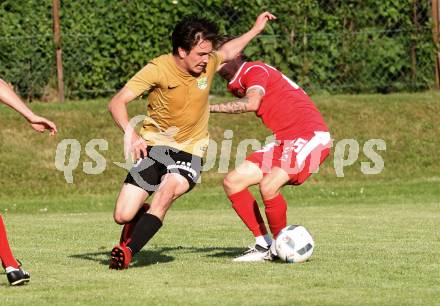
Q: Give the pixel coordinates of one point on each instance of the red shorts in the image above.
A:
(299, 157)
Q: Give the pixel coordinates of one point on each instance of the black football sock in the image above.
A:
(127, 231)
(138, 215)
(145, 229)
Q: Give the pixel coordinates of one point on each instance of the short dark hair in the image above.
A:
(190, 30)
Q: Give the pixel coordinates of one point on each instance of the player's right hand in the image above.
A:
(138, 147)
(40, 124)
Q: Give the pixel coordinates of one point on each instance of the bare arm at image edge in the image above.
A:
(10, 98)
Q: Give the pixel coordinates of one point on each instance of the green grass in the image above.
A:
(377, 237)
(366, 254)
(213, 198)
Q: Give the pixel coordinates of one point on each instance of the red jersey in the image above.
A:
(285, 108)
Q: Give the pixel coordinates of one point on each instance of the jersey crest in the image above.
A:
(202, 82)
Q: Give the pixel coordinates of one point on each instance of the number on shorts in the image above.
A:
(267, 147)
(298, 145)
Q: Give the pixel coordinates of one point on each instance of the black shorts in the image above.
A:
(147, 172)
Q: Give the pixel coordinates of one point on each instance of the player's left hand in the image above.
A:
(261, 21)
(41, 124)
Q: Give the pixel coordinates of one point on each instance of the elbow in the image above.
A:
(112, 105)
(252, 108)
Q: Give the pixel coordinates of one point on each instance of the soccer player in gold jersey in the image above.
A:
(170, 145)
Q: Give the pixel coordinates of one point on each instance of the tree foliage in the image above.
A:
(325, 45)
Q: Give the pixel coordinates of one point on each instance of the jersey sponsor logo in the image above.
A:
(202, 82)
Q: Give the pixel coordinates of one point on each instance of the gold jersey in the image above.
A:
(178, 108)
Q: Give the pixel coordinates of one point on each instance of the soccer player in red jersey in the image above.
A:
(14, 273)
(302, 142)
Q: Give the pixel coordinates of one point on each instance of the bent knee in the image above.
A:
(269, 191)
(232, 183)
(229, 181)
(121, 218)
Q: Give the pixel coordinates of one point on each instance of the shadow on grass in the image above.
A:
(143, 258)
(151, 257)
(216, 252)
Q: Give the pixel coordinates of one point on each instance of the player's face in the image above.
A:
(197, 59)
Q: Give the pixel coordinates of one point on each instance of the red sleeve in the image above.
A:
(255, 76)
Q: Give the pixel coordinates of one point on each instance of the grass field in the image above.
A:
(366, 254)
(377, 237)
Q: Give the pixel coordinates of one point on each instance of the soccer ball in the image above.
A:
(294, 244)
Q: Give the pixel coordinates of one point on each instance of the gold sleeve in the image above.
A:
(144, 79)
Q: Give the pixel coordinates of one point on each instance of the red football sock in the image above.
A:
(276, 209)
(247, 209)
(6, 256)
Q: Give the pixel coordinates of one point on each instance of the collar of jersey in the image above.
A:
(237, 73)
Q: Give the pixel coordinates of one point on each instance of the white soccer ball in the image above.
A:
(294, 244)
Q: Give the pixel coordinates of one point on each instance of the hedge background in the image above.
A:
(324, 45)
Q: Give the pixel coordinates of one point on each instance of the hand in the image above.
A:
(261, 21)
(40, 124)
(137, 147)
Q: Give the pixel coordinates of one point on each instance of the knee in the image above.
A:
(228, 182)
(268, 191)
(231, 184)
(121, 218)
